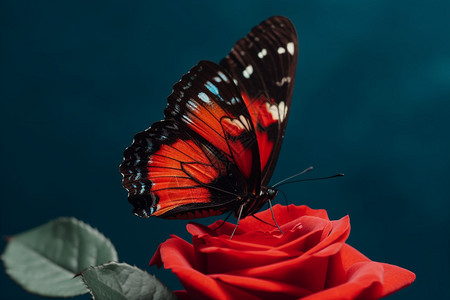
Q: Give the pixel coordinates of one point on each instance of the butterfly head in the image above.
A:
(270, 193)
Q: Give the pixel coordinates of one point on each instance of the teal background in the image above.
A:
(372, 100)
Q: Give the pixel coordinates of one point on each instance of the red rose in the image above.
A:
(310, 260)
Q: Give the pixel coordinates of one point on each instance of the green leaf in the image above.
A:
(120, 281)
(44, 260)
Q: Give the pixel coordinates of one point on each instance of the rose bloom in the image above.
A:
(309, 261)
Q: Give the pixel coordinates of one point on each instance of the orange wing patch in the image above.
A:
(179, 173)
(240, 143)
(205, 121)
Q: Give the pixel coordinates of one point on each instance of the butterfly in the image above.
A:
(224, 124)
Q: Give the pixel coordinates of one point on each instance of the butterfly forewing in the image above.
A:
(208, 102)
(263, 66)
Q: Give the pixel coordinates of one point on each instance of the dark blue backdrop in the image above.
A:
(372, 100)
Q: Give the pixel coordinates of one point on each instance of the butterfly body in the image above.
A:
(251, 204)
(217, 147)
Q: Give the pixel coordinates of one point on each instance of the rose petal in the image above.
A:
(341, 262)
(284, 213)
(226, 229)
(268, 289)
(339, 233)
(235, 243)
(305, 271)
(200, 286)
(350, 256)
(178, 255)
(363, 282)
(174, 252)
(220, 260)
(395, 278)
(329, 251)
(200, 229)
(307, 232)
(352, 273)
(296, 269)
(262, 241)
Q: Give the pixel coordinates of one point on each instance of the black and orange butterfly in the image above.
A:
(224, 124)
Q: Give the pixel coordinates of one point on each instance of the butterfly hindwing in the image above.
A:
(263, 65)
(169, 171)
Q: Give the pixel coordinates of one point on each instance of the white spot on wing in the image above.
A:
(142, 190)
(248, 71)
(279, 112)
(222, 76)
(281, 50)
(262, 53)
(192, 104)
(187, 118)
(212, 88)
(290, 48)
(283, 110)
(237, 123)
(244, 121)
(273, 110)
(204, 97)
(283, 81)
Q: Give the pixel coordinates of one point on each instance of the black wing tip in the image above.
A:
(142, 205)
(281, 21)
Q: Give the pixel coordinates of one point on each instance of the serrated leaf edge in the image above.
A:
(105, 265)
(90, 228)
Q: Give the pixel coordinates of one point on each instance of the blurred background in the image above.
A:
(372, 100)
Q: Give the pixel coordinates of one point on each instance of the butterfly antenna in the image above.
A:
(285, 199)
(273, 217)
(238, 218)
(293, 176)
(311, 179)
(223, 221)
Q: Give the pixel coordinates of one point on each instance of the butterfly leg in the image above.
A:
(273, 217)
(238, 218)
(261, 220)
(224, 221)
(285, 199)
